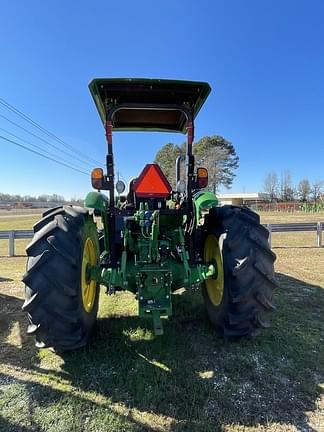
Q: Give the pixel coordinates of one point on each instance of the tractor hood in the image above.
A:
(148, 104)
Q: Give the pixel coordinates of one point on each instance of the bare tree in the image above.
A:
(287, 192)
(317, 190)
(271, 186)
(304, 190)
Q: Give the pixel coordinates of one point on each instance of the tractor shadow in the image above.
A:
(194, 379)
(13, 337)
(5, 279)
(28, 393)
(203, 382)
(40, 406)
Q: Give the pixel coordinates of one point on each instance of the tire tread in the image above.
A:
(248, 270)
(52, 299)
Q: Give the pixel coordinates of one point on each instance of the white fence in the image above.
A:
(12, 236)
(316, 227)
(297, 227)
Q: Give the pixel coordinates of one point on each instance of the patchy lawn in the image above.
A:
(187, 380)
(284, 217)
(18, 222)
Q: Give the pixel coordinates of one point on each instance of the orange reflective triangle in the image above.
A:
(152, 183)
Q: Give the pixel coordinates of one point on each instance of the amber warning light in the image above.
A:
(152, 183)
(98, 179)
(202, 178)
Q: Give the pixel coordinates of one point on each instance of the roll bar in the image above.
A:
(111, 111)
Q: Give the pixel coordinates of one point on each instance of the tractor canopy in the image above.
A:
(148, 104)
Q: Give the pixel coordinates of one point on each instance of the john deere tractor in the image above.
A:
(150, 240)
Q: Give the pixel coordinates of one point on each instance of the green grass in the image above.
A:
(18, 222)
(187, 380)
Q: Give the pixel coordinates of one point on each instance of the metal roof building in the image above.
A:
(243, 198)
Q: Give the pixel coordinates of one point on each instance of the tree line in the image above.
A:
(54, 198)
(218, 155)
(281, 188)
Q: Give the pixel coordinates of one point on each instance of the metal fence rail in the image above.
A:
(317, 227)
(12, 236)
(297, 227)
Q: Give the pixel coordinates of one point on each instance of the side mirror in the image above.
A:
(99, 180)
(202, 178)
(120, 186)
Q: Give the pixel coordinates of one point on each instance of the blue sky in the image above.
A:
(263, 59)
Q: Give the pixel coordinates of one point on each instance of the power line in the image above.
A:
(44, 140)
(45, 131)
(39, 148)
(42, 155)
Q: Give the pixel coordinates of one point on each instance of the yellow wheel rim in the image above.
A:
(215, 285)
(88, 286)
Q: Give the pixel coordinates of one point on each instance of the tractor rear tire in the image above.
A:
(61, 300)
(240, 299)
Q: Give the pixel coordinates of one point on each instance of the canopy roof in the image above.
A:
(148, 104)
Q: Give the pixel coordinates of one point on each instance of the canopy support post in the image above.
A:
(110, 162)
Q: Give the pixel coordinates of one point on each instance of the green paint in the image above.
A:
(97, 201)
(204, 200)
(100, 204)
(153, 266)
(107, 92)
(152, 248)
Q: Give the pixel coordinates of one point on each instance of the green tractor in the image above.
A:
(152, 240)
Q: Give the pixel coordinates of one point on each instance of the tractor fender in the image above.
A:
(97, 201)
(204, 200)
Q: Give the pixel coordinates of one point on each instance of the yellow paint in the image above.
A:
(88, 286)
(215, 285)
